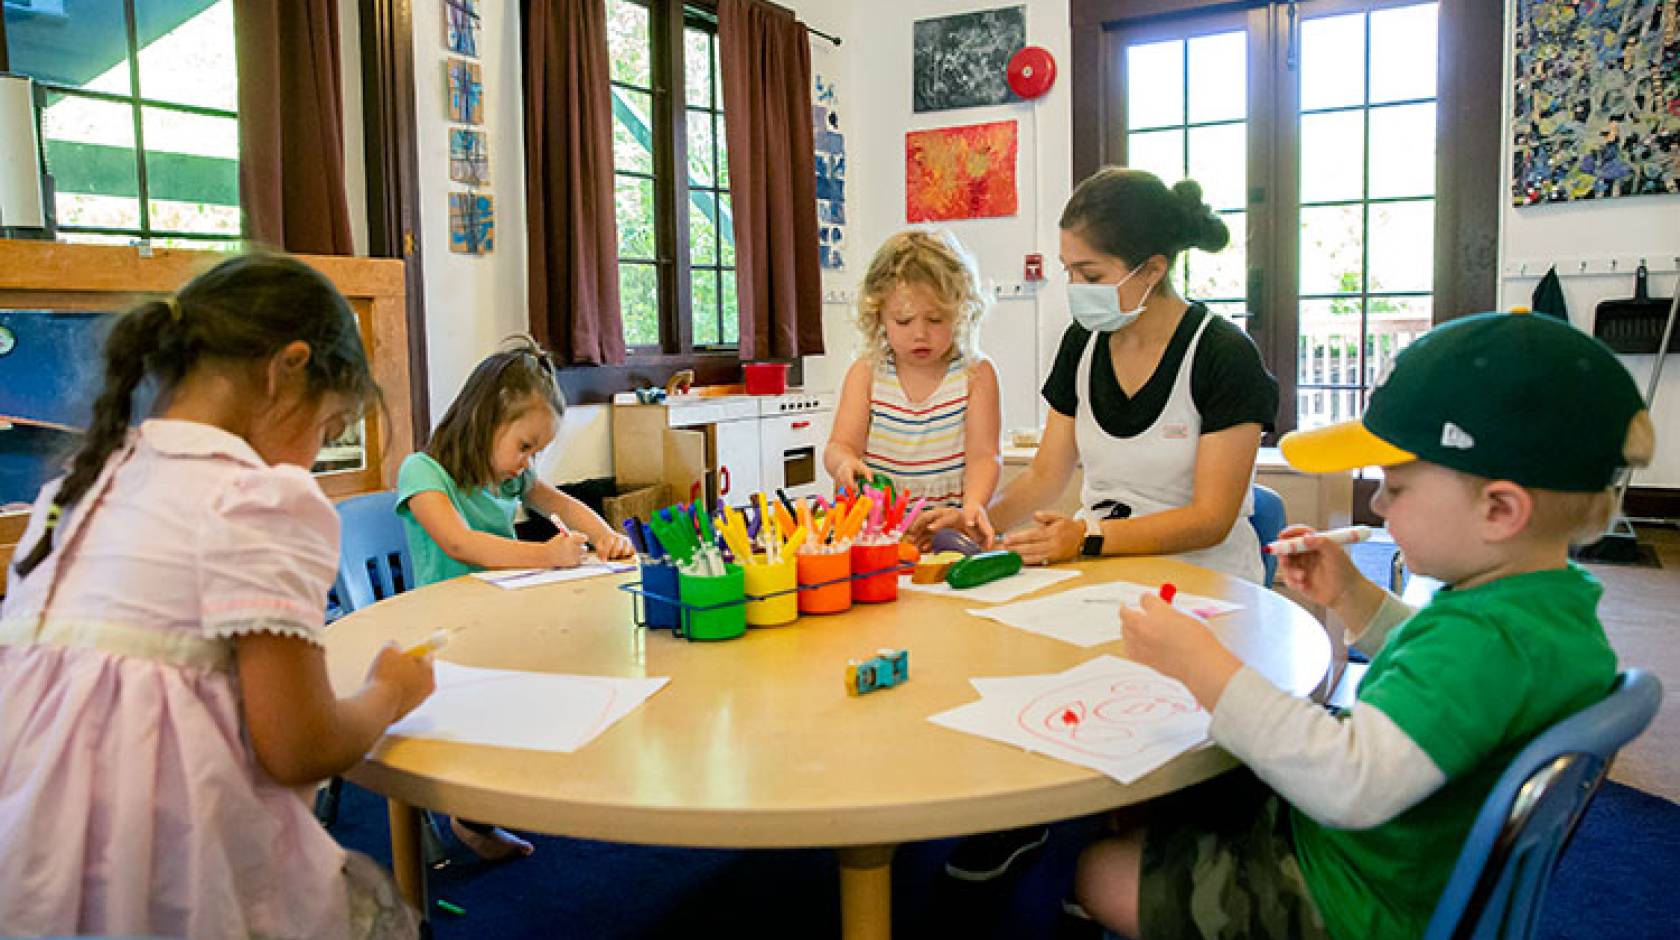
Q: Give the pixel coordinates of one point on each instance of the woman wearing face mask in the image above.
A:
(1162, 402)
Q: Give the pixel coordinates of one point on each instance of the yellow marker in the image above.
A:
(438, 640)
(795, 540)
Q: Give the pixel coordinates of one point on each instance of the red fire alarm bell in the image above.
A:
(1032, 70)
(1035, 267)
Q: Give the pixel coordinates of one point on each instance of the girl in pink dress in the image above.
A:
(164, 702)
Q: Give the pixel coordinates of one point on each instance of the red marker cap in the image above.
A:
(1167, 591)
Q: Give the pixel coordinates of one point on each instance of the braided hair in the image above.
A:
(245, 308)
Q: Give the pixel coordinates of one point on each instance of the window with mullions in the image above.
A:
(1187, 117)
(140, 125)
(680, 226)
(1367, 206)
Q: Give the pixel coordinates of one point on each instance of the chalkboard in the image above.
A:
(962, 61)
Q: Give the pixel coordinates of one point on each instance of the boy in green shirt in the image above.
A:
(1500, 435)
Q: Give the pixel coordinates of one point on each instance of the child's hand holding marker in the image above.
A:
(1316, 567)
(1177, 645)
(407, 673)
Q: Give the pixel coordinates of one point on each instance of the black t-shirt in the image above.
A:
(1228, 383)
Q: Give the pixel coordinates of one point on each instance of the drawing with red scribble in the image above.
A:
(1109, 717)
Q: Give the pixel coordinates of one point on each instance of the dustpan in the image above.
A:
(1634, 324)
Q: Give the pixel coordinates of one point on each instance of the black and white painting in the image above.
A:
(961, 61)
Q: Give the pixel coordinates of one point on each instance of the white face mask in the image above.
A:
(1096, 307)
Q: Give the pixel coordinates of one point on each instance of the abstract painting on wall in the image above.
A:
(460, 26)
(962, 61)
(960, 172)
(466, 91)
(831, 173)
(472, 223)
(469, 157)
(1596, 110)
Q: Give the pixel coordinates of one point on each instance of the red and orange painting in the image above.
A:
(960, 172)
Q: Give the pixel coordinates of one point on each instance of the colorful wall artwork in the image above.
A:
(472, 223)
(460, 26)
(960, 172)
(469, 156)
(1597, 100)
(466, 91)
(962, 61)
(831, 173)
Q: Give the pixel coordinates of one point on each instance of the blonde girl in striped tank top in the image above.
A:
(921, 403)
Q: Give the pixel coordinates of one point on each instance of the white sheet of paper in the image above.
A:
(536, 711)
(1025, 581)
(515, 578)
(1109, 714)
(1090, 615)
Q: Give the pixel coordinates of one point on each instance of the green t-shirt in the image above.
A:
(484, 509)
(1471, 678)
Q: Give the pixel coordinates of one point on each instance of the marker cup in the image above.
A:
(818, 567)
(877, 587)
(777, 579)
(724, 595)
(659, 581)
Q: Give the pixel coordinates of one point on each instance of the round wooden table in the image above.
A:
(755, 743)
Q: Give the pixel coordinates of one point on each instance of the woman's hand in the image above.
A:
(1322, 573)
(977, 524)
(1178, 645)
(1052, 538)
(566, 549)
(611, 546)
(852, 472)
(410, 677)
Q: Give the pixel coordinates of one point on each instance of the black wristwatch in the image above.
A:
(1093, 547)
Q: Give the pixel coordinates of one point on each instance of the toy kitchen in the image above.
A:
(724, 446)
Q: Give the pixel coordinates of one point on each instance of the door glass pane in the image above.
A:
(1391, 325)
(1330, 250)
(632, 130)
(726, 228)
(90, 152)
(1403, 150)
(722, 151)
(1223, 273)
(638, 300)
(1219, 161)
(1403, 53)
(700, 148)
(1333, 61)
(1327, 354)
(702, 231)
(1402, 254)
(633, 203)
(192, 171)
(186, 53)
(1155, 85)
(1333, 156)
(1159, 152)
(697, 67)
(705, 306)
(629, 46)
(729, 308)
(84, 46)
(1218, 77)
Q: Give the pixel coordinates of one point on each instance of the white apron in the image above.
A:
(1155, 470)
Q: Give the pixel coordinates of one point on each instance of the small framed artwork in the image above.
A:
(466, 91)
(469, 157)
(472, 223)
(460, 26)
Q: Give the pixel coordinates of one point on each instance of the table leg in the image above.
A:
(866, 892)
(407, 865)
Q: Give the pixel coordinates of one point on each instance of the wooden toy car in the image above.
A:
(885, 670)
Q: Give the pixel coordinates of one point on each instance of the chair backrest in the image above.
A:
(1268, 520)
(1499, 883)
(373, 561)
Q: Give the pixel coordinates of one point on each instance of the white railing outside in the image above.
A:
(1328, 354)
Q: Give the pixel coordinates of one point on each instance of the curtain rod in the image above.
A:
(820, 33)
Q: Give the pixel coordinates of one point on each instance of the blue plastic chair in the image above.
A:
(1268, 520)
(373, 561)
(1499, 883)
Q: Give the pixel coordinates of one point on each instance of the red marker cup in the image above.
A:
(1168, 589)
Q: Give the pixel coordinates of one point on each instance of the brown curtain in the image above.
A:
(291, 125)
(765, 55)
(570, 218)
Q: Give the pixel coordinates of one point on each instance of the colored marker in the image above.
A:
(1298, 544)
(449, 908)
(1168, 590)
(438, 640)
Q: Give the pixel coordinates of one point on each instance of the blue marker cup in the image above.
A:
(660, 581)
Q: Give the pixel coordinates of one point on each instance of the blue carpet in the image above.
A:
(1614, 882)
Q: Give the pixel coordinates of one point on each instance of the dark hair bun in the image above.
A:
(1202, 226)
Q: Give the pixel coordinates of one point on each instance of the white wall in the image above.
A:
(873, 68)
(1626, 228)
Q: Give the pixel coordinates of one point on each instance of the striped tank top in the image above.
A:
(920, 445)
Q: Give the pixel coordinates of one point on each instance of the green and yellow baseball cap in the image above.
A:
(1505, 396)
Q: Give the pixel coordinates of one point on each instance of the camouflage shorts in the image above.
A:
(1219, 864)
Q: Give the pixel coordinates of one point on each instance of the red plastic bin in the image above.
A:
(765, 378)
